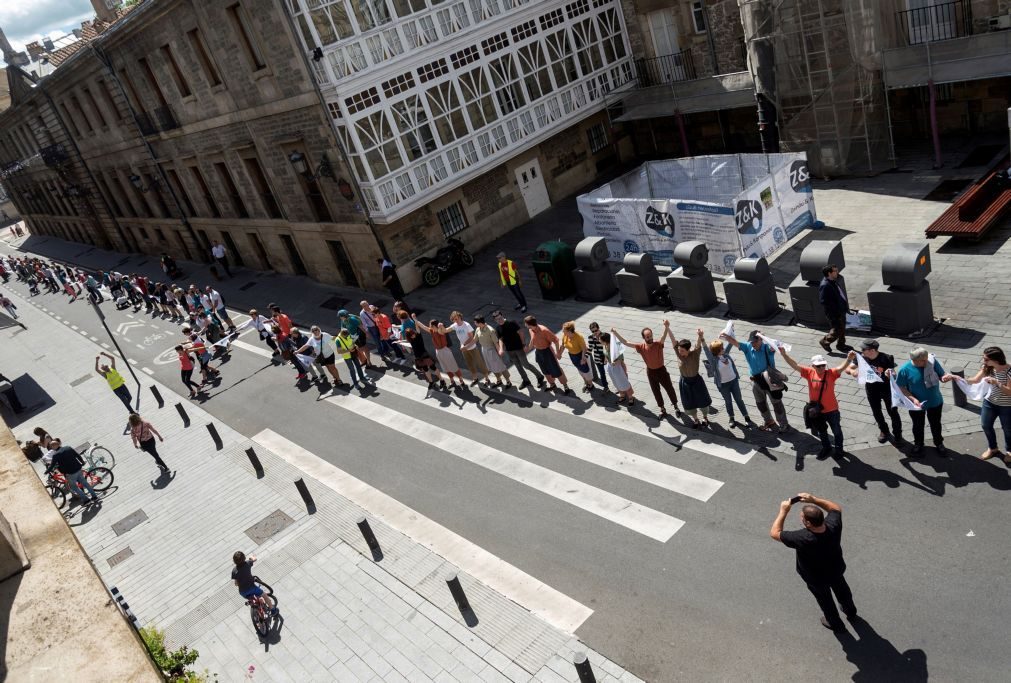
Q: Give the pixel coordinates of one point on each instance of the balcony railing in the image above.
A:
(665, 69)
(53, 155)
(942, 21)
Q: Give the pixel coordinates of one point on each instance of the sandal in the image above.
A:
(767, 427)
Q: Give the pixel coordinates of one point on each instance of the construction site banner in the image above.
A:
(758, 220)
(796, 198)
(656, 226)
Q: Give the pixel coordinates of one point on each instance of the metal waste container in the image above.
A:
(553, 264)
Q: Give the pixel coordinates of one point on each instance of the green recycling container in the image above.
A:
(553, 264)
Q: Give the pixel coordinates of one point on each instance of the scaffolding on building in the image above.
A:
(819, 64)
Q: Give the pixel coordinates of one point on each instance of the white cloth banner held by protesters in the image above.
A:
(865, 373)
(775, 343)
(617, 348)
(729, 330)
(974, 392)
(900, 400)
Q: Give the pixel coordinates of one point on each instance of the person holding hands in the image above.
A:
(822, 410)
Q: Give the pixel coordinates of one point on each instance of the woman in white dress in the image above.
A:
(487, 341)
(616, 370)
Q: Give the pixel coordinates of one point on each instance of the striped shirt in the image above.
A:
(996, 396)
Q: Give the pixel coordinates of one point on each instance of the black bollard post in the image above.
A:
(255, 462)
(453, 581)
(218, 444)
(957, 395)
(183, 415)
(582, 665)
(370, 538)
(303, 491)
(157, 396)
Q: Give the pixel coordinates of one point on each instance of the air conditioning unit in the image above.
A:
(1000, 22)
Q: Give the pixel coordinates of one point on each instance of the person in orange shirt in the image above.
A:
(546, 350)
(385, 326)
(821, 389)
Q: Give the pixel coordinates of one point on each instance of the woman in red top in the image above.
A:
(186, 370)
(143, 433)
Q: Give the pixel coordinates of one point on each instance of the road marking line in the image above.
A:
(67, 323)
(140, 346)
(148, 371)
(58, 317)
(659, 474)
(82, 333)
(105, 346)
(94, 339)
(74, 327)
(555, 607)
(646, 521)
(260, 351)
(131, 361)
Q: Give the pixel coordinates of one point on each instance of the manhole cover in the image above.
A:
(268, 526)
(129, 522)
(80, 380)
(335, 303)
(120, 556)
(248, 285)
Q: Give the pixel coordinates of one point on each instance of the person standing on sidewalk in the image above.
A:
(595, 346)
(221, 256)
(575, 345)
(369, 323)
(143, 433)
(487, 342)
(723, 370)
(822, 410)
(70, 464)
(997, 373)
(879, 393)
(390, 279)
(110, 374)
(656, 370)
(546, 353)
(9, 306)
(767, 382)
(615, 367)
(511, 345)
(468, 347)
(510, 277)
(919, 379)
(833, 300)
(819, 555)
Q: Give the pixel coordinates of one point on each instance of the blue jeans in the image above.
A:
(732, 390)
(987, 416)
(832, 421)
(355, 370)
(78, 478)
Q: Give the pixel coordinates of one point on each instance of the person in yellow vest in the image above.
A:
(510, 277)
(116, 382)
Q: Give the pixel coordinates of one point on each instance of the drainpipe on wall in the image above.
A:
(934, 134)
(107, 63)
(333, 130)
(709, 36)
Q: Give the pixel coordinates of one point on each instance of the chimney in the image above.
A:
(103, 11)
(34, 50)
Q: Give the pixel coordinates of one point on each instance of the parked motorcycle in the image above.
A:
(448, 259)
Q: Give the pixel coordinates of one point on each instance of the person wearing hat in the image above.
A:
(510, 277)
(879, 393)
(767, 382)
(821, 381)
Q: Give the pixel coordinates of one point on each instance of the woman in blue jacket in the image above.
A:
(720, 366)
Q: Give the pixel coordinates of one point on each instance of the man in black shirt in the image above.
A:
(511, 344)
(880, 392)
(390, 278)
(819, 555)
(69, 463)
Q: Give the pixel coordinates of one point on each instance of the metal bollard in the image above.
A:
(157, 396)
(957, 395)
(453, 581)
(582, 665)
(127, 612)
(218, 444)
(303, 491)
(255, 462)
(370, 538)
(183, 415)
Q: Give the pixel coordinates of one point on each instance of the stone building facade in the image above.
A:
(183, 123)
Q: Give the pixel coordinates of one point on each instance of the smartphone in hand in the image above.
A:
(794, 500)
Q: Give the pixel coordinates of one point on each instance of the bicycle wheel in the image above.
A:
(100, 478)
(100, 456)
(261, 620)
(58, 495)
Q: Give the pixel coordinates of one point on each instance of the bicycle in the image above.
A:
(97, 456)
(100, 479)
(262, 608)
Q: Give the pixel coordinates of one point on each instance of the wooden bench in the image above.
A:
(977, 210)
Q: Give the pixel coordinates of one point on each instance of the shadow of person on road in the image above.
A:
(163, 480)
(877, 659)
(860, 473)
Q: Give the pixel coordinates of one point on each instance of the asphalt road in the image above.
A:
(717, 600)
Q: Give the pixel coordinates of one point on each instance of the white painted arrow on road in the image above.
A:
(123, 328)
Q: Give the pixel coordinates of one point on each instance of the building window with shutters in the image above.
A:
(597, 137)
(452, 219)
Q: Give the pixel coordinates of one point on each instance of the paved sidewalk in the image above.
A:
(166, 542)
(868, 215)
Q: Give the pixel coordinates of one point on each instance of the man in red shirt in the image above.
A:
(821, 388)
(656, 370)
(282, 319)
